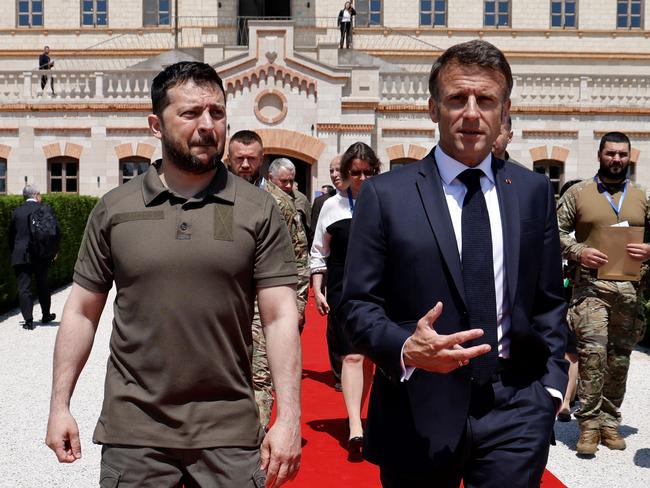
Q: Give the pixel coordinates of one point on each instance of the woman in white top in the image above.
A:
(345, 24)
(328, 254)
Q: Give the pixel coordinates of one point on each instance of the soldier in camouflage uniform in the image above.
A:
(281, 177)
(606, 315)
(245, 153)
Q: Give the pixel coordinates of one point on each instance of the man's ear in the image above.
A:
(505, 111)
(433, 110)
(155, 125)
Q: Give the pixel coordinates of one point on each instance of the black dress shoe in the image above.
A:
(28, 325)
(48, 318)
(355, 447)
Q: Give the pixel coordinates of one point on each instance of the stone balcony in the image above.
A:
(395, 88)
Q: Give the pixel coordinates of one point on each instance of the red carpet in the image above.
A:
(325, 431)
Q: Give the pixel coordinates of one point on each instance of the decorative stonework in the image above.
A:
(550, 133)
(359, 105)
(347, 128)
(62, 131)
(145, 150)
(73, 150)
(402, 108)
(408, 131)
(395, 152)
(538, 153)
(417, 152)
(128, 131)
(52, 150)
(9, 131)
(270, 106)
(76, 107)
(4, 151)
(559, 154)
(124, 150)
(267, 71)
(292, 144)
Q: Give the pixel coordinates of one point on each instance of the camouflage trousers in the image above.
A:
(608, 320)
(302, 290)
(262, 383)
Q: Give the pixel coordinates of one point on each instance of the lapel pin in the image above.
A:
(508, 181)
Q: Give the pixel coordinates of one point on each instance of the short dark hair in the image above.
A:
(509, 123)
(245, 137)
(358, 150)
(476, 52)
(614, 137)
(178, 74)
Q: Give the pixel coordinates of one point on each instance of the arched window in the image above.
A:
(132, 166)
(63, 175)
(554, 170)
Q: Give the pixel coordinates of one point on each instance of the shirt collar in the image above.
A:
(32, 200)
(222, 186)
(449, 168)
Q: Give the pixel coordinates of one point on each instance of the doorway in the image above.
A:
(258, 9)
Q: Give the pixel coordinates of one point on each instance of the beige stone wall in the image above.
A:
(530, 14)
(467, 14)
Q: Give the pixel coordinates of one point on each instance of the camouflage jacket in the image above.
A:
(294, 224)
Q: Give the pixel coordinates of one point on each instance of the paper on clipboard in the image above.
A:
(613, 241)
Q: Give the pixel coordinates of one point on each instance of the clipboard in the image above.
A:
(613, 241)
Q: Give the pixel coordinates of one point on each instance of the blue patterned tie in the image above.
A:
(478, 273)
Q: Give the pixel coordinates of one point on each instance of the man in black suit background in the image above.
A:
(25, 265)
(454, 289)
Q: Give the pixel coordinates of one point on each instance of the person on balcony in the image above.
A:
(345, 24)
(44, 62)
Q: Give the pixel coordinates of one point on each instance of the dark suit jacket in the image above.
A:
(19, 233)
(402, 259)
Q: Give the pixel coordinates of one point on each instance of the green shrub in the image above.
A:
(71, 213)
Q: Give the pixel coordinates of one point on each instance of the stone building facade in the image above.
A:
(580, 68)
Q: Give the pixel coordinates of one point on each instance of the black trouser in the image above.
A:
(346, 34)
(44, 82)
(506, 440)
(332, 349)
(24, 282)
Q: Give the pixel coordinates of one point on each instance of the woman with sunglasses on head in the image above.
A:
(328, 255)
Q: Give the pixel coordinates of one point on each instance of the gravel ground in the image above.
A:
(25, 461)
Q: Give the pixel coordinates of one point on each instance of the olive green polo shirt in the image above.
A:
(186, 273)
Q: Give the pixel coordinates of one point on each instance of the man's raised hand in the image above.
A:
(430, 351)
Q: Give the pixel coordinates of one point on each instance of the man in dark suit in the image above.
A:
(454, 289)
(25, 264)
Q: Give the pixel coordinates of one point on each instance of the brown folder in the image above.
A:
(613, 241)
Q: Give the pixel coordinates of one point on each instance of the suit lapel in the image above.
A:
(509, 209)
(429, 185)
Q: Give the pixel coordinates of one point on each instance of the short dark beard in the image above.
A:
(187, 162)
(604, 172)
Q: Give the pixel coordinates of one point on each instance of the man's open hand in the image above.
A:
(428, 350)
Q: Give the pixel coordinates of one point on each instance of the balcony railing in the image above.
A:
(394, 87)
(98, 86)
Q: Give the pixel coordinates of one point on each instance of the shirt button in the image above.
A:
(183, 226)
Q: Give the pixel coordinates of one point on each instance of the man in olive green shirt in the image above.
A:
(188, 246)
(605, 314)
